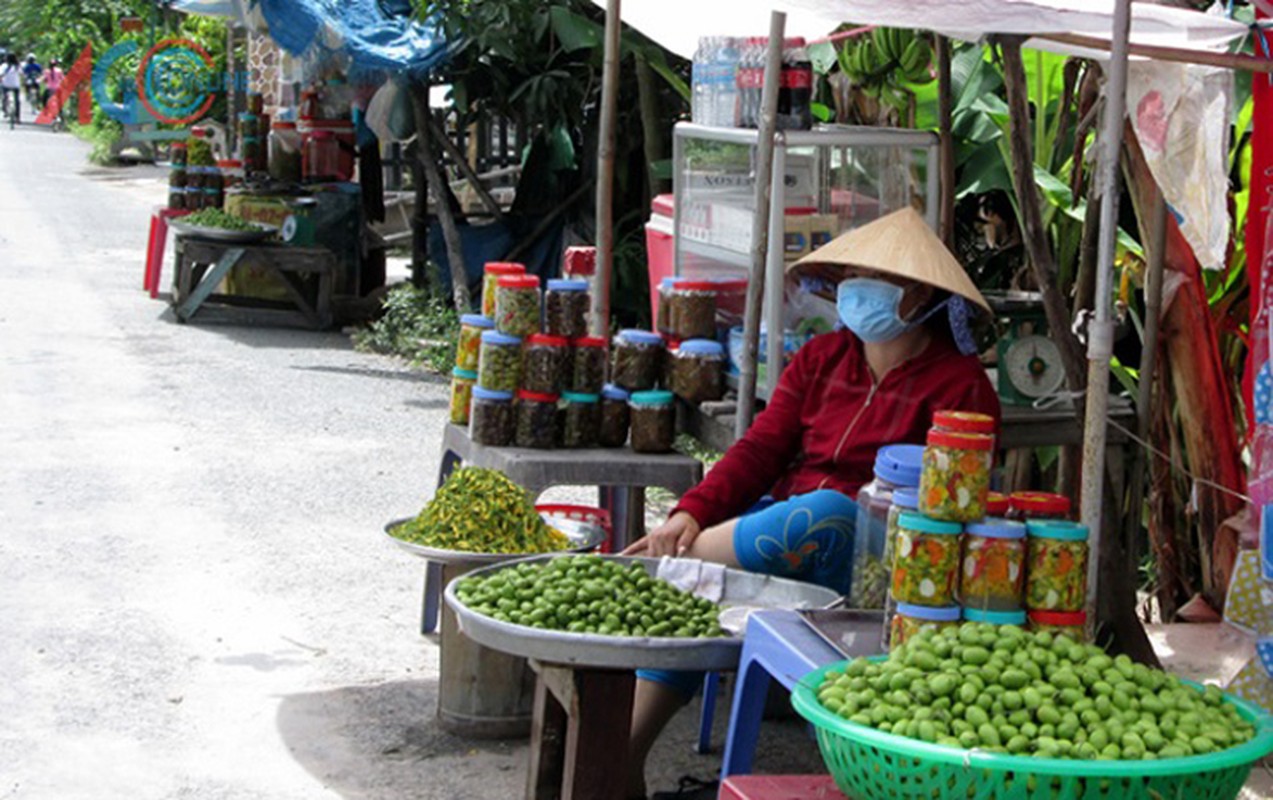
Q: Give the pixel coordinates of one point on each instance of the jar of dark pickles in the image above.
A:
(491, 417)
(582, 427)
(614, 416)
(536, 420)
(698, 370)
(588, 371)
(517, 305)
(499, 363)
(693, 314)
(653, 421)
(566, 304)
(635, 362)
(546, 367)
(663, 320)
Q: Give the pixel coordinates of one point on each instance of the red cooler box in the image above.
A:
(659, 247)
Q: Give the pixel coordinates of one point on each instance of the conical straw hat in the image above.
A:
(902, 244)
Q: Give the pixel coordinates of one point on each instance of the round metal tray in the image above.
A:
(262, 232)
(635, 652)
(583, 536)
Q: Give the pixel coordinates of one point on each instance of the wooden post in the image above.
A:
(466, 169)
(441, 193)
(605, 171)
(1036, 235)
(945, 104)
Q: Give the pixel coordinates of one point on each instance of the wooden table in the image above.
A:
(306, 274)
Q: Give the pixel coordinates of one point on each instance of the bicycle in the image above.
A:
(12, 106)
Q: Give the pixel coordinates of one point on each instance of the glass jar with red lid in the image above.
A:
(546, 364)
(996, 504)
(963, 422)
(517, 305)
(693, 309)
(1059, 623)
(588, 372)
(955, 478)
(536, 420)
(491, 274)
(1038, 505)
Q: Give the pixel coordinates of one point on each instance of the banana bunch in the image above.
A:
(888, 51)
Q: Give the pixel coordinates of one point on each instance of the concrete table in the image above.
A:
(619, 474)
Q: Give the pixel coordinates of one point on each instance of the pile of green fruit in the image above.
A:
(884, 52)
(590, 594)
(482, 511)
(216, 218)
(1004, 690)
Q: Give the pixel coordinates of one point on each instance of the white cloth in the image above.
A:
(11, 78)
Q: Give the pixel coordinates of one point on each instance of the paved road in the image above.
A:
(195, 601)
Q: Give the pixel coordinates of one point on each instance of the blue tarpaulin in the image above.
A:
(375, 34)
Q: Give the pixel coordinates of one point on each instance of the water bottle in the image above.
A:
(700, 73)
(725, 102)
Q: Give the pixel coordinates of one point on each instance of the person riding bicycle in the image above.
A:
(31, 72)
(53, 77)
(11, 85)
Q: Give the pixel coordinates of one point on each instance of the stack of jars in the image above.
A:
(954, 560)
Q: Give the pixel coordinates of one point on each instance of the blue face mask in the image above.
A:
(868, 307)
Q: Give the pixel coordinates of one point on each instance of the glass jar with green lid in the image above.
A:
(926, 565)
(1056, 567)
(653, 421)
(582, 427)
(1014, 617)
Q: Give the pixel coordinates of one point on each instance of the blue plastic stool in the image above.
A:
(777, 645)
(711, 685)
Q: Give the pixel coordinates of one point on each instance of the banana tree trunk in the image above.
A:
(1200, 388)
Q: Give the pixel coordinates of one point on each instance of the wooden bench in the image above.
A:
(306, 274)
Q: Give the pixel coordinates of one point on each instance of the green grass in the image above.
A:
(416, 325)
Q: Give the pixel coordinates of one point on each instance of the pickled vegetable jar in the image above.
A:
(472, 326)
(911, 619)
(588, 371)
(926, 566)
(546, 364)
(663, 319)
(517, 305)
(1026, 506)
(614, 416)
(996, 505)
(536, 420)
(653, 422)
(693, 314)
(635, 362)
(905, 499)
(499, 364)
(1068, 623)
(993, 575)
(566, 305)
(1056, 569)
(462, 381)
(667, 359)
(896, 466)
(1013, 617)
(491, 274)
(963, 422)
(698, 370)
(582, 427)
(491, 417)
(956, 476)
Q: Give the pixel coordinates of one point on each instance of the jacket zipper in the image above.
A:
(870, 396)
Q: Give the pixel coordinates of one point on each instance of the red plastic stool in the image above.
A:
(155, 246)
(780, 787)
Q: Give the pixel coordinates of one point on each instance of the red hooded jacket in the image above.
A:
(828, 417)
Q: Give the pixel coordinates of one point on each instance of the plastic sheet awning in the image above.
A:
(677, 25)
(374, 34)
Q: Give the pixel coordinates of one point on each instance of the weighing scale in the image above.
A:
(1029, 362)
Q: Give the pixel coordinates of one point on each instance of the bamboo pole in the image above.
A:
(760, 228)
(1100, 331)
(605, 171)
(1159, 53)
(945, 105)
(441, 194)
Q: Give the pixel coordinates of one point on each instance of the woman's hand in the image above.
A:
(672, 538)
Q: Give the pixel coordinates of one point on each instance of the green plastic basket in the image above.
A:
(870, 764)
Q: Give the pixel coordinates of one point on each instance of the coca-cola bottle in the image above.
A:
(795, 93)
(751, 81)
